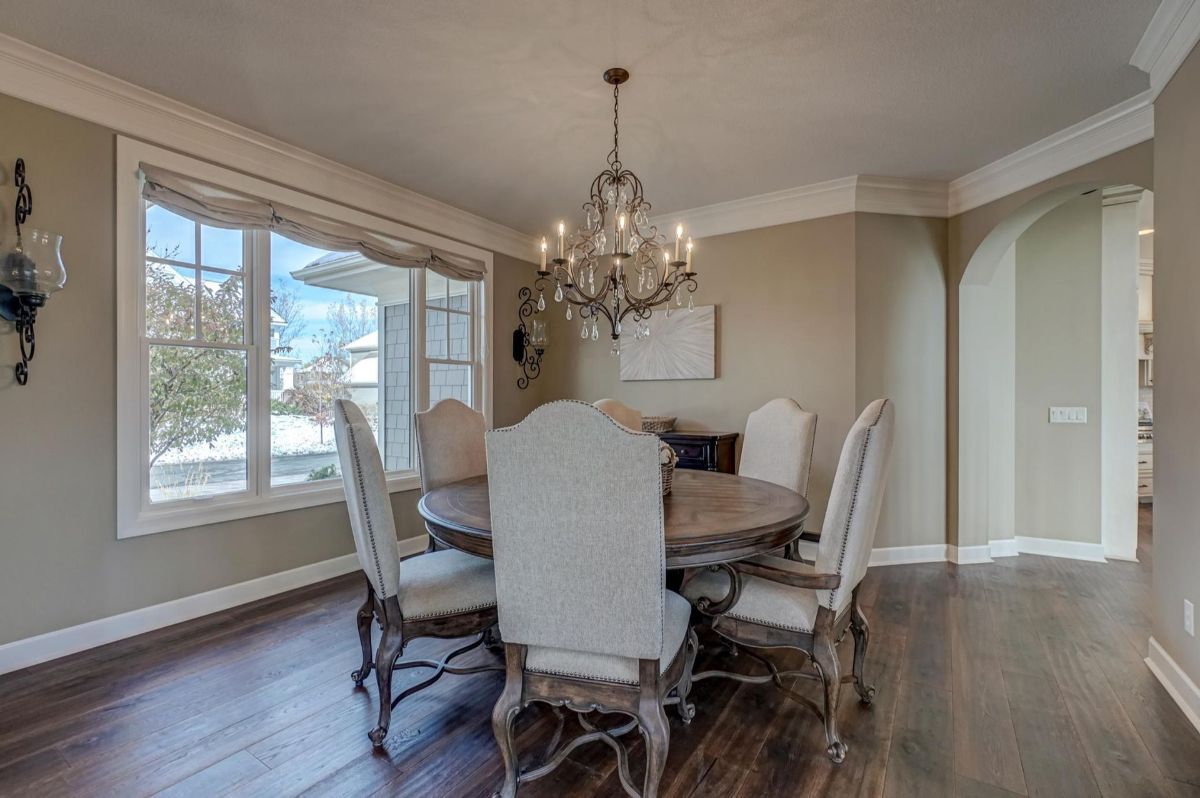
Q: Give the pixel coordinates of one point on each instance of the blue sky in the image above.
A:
(169, 233)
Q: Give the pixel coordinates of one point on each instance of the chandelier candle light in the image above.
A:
(616, 247)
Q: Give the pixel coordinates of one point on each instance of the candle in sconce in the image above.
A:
(543, 267)
(666, 265)
(689, 255)
(678, 236)
(571, 268)
(562, 229)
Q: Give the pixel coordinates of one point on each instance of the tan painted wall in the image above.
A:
(900, 323)
(1058, 363)
(1176, 353)
(965, 233)
(797, 318)
(60, 561)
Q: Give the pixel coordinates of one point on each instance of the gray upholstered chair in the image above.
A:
(449, 447)
(622, 413)
(773, 602)
(585, 615)
(778, 448)
(440, 594)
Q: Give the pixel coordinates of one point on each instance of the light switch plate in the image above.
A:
(1068, 415)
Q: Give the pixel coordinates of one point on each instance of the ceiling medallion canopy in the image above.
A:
(617, 265)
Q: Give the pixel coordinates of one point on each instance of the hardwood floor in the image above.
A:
(1022, 677)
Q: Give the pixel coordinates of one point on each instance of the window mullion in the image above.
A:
(257, 258)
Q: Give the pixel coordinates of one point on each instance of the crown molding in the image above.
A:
(1172, 33)
(854, 194)
(41, 77)
(1123, 125)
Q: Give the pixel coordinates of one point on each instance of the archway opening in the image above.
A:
(1049, 336)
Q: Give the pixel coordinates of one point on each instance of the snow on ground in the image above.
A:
(290, 435)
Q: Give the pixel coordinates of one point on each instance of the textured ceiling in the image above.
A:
(498, 107)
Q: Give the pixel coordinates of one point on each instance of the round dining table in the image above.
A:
(710, 517)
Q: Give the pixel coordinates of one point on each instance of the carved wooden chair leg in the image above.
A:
(687, 711)
(862, 638)
(652, 719)
(825, 659)
(508, 706)
(366, 615)
(391, 645)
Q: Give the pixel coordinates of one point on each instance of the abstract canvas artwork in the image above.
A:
(681, 347)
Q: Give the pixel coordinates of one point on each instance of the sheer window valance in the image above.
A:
(221, 207)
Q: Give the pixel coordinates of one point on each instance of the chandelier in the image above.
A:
(617, 265)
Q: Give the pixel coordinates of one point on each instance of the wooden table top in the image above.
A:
(710, 517)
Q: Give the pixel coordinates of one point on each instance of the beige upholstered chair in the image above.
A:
(584, 612)
(449, 447)
(778, 448)
(440, 594)
(622, 413)
(772, 602)
(778, 445)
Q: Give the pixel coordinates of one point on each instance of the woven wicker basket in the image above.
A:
(668, 475)
(658, 423)
(666, 464)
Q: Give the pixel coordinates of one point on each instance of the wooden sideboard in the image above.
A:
(703, 451)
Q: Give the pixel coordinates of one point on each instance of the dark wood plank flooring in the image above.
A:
(1023, 677)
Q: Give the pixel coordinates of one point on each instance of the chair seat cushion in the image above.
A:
(677, 614)
(445, 583)
(762, 601)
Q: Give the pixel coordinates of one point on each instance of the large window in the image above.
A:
(243, 340)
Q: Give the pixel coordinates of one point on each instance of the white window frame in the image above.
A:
(135, 515)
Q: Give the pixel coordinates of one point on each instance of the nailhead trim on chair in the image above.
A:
(862, 459)
(472, 608)
(381, 588)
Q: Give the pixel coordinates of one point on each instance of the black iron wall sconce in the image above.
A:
(529, 340)
(31, 271)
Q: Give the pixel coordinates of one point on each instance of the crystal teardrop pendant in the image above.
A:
(679, 299)
(691, 303)
(558, 294)
(568, 312)
(617, 328)
(541, 301)
(595, 332)
(668, 310)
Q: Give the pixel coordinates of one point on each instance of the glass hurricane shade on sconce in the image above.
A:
(539, 335)
(33, 269)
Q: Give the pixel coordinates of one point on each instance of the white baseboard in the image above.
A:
(1069, 549)
(968, 555)
(905, 555)
(61, 642)
(1177, 683)
(1003, 548)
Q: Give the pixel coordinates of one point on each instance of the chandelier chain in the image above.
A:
(614, 157)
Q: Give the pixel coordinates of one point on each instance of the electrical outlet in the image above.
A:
(1068, 415)
(1189, 617)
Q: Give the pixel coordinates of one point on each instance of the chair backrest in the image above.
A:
(848, 534)
(577, 532)
(367, 498)
(778, 445)
(622, 413)
(450, 444)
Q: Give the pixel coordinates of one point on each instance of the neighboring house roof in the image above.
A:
(368, 343)
(364, 373)
(284, 360)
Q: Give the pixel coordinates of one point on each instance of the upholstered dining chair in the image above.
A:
(773, 602)
(449, 447)
(778, 448)
(438, 594)
(586, 618)
(622, 413)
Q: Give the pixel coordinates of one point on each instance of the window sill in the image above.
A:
(203, 512)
